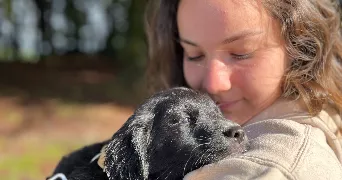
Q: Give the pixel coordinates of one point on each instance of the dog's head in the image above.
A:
(172, 133)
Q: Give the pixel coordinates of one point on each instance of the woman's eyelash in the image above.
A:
(242, 56)
(236, 56)
(195, 58)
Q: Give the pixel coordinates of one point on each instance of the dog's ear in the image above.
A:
(126, 156)
(78, 158)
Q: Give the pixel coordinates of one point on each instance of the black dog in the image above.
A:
(174, 132)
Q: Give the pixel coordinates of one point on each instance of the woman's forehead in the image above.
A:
(209, 21)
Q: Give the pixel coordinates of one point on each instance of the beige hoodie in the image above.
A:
(285, 143)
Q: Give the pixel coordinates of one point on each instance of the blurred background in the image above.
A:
(71, 72)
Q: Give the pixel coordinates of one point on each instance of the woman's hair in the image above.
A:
(312, 33)
(164, 66)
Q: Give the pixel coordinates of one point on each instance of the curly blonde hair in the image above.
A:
(310, 28)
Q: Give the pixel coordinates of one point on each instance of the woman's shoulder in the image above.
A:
(299, 149)
(291, 119)
(284, 144)
(293, 140)
(278, 149)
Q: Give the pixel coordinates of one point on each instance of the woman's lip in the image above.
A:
(226, 104)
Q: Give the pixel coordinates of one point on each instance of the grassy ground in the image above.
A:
(34, 138)
(49, 109)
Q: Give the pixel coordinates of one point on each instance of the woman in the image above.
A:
(273, 66)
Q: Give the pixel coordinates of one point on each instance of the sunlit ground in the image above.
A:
(34, 137)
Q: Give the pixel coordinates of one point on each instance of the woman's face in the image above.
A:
(234, 51)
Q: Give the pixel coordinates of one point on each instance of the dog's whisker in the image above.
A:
(191, 154)
(199, 160)
(210, 156)
(169, 174)
(165, 171)
(184, 169)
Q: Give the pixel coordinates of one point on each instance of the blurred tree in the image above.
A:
(99, 41)
(32, 29)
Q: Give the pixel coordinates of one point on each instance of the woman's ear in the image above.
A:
(126, 156)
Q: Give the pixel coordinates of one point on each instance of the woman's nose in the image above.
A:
(217, 77)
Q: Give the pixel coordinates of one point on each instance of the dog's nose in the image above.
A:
(235, 132)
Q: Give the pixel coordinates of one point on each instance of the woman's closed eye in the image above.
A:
(194, 58)
(234, 56)
(242, 56)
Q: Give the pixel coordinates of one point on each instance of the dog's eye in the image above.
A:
(174, 121)
(192, 116)
(191, 119)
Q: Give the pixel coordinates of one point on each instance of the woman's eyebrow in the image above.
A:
(241, 35)
(230, 39)
(181, 40)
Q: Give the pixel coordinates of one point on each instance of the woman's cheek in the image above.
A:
(192, 74)
(243, 79)
(249, 84)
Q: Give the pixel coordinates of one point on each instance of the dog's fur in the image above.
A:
(174, 132)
